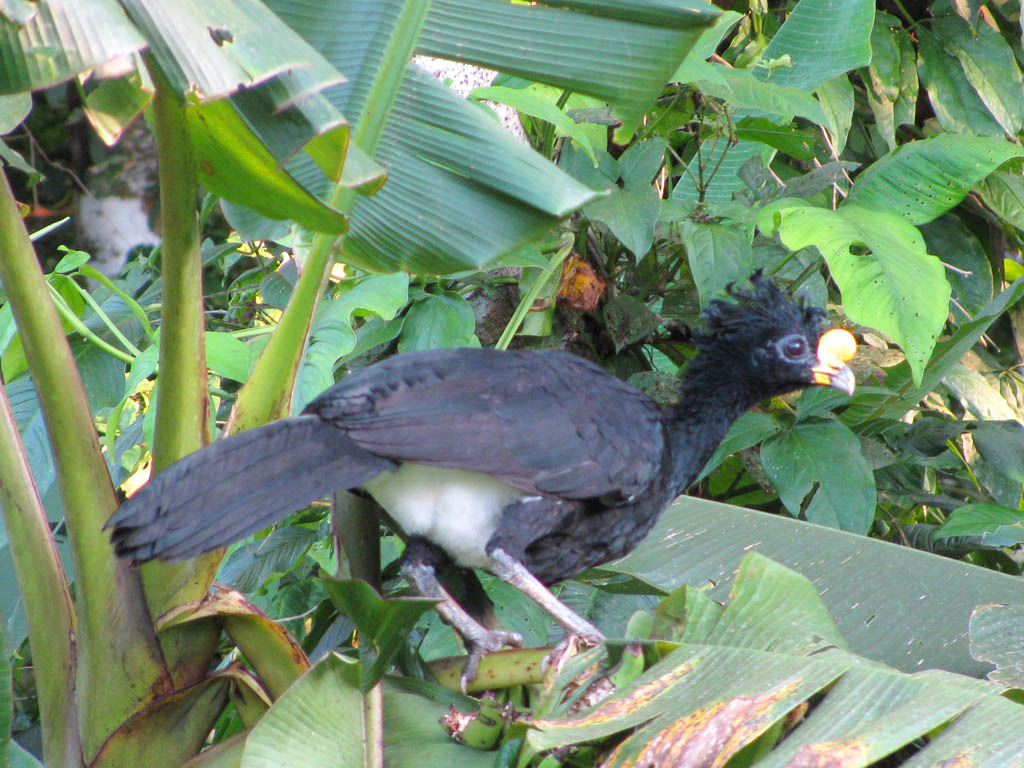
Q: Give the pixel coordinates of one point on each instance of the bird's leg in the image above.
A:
(465, 588)
(522, 522)
(418, 566)
(512, 571)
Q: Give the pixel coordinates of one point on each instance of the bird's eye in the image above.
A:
(793, 347)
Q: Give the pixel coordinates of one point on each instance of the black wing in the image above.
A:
(546, 422)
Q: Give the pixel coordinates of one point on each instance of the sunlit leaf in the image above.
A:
(62, 40)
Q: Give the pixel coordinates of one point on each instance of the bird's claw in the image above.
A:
(490, 641)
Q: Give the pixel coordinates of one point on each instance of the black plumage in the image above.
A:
(498, 460)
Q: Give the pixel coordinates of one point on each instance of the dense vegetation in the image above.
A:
(323, 205)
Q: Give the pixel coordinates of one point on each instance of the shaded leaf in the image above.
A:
(249, 566)
(1001, 443)
(437, 321)
(13, 109)
(972, 280)
(745, 91)
(630, 214)
(1003, 525)
(785, 138)
(836, 98)
(528, 103)
(383, 625)
(990, 67)
(747, 431)
(641, 161)
(1003, 192)
(955, 103)
(628, 320)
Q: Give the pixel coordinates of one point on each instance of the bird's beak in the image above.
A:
(835, 349)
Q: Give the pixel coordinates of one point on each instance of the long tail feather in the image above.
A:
(237, 486)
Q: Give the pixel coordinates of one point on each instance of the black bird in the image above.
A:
(531, 465)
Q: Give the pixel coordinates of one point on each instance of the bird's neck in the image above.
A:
(708, 405)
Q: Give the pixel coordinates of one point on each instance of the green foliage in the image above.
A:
(867, 160)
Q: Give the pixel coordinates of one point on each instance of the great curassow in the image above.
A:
(531, 465)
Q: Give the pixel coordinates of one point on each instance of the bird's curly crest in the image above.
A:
(765, 306)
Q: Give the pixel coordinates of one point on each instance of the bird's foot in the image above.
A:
(480, 644)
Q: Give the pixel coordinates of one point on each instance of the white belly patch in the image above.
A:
(456, 510)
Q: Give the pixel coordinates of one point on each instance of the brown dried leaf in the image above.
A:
(580, 286)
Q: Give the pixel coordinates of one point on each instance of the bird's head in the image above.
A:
(772, 344)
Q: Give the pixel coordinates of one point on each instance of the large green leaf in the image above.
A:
(620, 52)
(326, 720)
(726, 691)
(61, 40)
(211, 48)
(924, 179)
(896, 287)
(321, 720)
(898, 605)
(718, 255)
(332, 336)
(232, 161)
(436, 321)
(826, 454)
(823, 39)
(451, 167)
(412, 736)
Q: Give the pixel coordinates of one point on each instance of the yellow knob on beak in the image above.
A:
(836, 348)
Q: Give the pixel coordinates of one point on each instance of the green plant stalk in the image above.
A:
(44, 591)
(356, 525)
(554, 268)
(119, 661)
(87, 297)
(94, 274)
(503, 669)
(268, 392)
(182, 420)
(76, 322)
